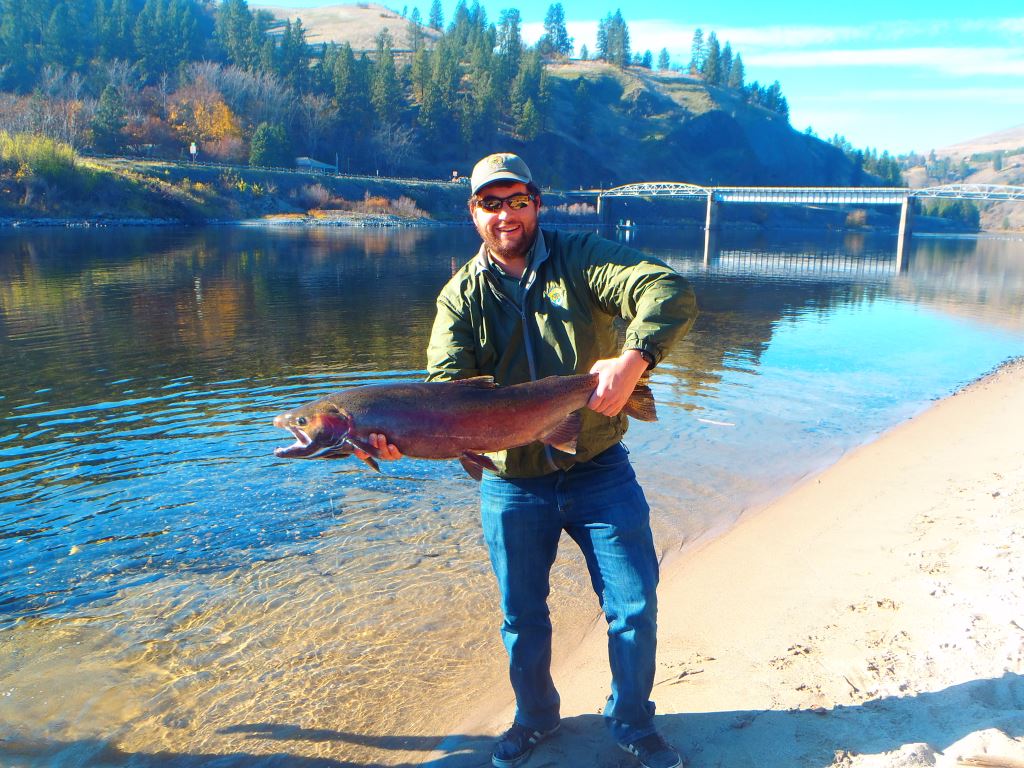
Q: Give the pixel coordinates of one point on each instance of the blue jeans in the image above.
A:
(602, 507)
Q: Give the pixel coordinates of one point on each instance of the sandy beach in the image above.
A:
(873, 617)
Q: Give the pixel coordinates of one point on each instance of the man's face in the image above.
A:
(507, 234)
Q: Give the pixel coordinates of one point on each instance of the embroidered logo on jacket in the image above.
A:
(557, 296)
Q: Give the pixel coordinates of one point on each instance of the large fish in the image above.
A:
(461, 419)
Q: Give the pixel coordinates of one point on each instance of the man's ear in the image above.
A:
(537, 200)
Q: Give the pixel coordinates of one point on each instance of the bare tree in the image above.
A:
(392, 146)
(317, 114)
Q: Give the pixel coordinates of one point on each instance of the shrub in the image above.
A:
(39, 156)
(314, 196)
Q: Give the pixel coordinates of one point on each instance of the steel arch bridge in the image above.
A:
(814, 195)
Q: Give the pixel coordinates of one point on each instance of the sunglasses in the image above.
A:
(514, 202)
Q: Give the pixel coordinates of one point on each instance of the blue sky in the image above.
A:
(895, 76)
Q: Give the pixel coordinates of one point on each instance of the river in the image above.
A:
(173, 593)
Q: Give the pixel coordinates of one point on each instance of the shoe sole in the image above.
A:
(497, 762)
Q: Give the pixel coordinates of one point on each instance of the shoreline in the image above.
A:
(872, 617)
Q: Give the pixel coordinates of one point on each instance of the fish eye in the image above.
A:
(301, 421)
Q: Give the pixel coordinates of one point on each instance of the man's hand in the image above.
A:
(618, 378)
(385, 450)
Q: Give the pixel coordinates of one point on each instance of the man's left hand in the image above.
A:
(617, 380)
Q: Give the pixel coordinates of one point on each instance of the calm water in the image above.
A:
(172, 592)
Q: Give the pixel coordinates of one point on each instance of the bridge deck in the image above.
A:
(813, 195)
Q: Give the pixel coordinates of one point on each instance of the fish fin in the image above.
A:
(475, 464)
(366, 448)
(564, 436)
(481, 382)
(640, 405)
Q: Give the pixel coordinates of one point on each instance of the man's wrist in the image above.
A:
(647, 356)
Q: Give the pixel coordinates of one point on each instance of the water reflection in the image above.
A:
(170, 587)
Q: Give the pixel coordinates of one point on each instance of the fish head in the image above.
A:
(321, 430)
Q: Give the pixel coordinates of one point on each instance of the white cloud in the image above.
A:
(963, 62)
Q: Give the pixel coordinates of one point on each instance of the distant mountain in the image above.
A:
(1009, 139)
(357, 24)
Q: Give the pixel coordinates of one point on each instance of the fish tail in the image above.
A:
(640, 405)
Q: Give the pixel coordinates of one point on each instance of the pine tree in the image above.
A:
(556, 40)
(736, 73)
(583, 108)
(584, 52)
(270, 147)
(109, 121)
(528, 124)
(61, 37)
(697, 52)
(712, 69)
(385, 93)
(436, 17)
(725, 65)
(663, 60)
(509, 52)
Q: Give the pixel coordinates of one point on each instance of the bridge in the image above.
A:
(901, 196)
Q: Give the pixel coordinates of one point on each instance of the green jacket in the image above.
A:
(576, 285)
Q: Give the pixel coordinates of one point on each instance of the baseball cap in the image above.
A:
(503, 166)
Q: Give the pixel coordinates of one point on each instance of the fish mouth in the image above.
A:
(302, 447)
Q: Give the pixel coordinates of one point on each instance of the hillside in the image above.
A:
(1008, 140)
(638, 124)
(358, 24)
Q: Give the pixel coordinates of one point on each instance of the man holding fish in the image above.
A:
(532, 304)
(536, 303)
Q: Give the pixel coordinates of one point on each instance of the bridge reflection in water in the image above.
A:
(904, 197)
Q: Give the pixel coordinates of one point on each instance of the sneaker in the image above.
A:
(516, 744)
(653, 752)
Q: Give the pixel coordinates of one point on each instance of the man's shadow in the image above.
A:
(745, 738)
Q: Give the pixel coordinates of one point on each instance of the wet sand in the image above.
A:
(873, 617)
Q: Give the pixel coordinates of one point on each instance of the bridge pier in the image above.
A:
(710, 228)
(905, 233)
(603, 211)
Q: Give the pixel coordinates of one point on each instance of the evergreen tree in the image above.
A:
(584, 52)
(436, 17)
(385, 92)
(646, 60)
(109, 121)
(556, 40)
(712, 70)
(583, 108)
(234, 31)
(62, 37)
(510, 42)
(663, 60)
(292, 56)
(270, 147)
(528, 124)
(736, 73)
(725, 65)
(697, 52)
(602, 51)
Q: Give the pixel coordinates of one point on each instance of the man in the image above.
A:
(536, 303)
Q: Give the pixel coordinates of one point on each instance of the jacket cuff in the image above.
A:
(649, 353)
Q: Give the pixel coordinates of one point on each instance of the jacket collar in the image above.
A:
(538, 255)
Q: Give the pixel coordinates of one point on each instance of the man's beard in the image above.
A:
(508, 251)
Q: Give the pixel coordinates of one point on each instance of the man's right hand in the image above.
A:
(385, 450)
